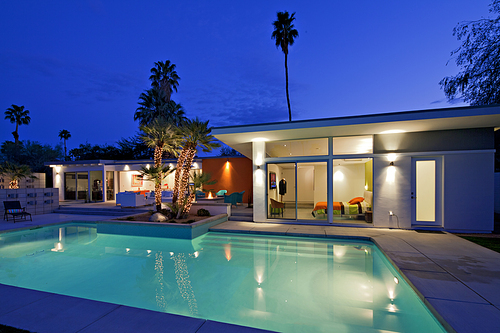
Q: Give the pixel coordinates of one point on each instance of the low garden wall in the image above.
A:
(36, 200)
(160, 229)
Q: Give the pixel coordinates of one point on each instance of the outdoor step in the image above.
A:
(97, 211)
(233, 213)
(241, 218)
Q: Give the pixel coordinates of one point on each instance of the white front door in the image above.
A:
(427, 191)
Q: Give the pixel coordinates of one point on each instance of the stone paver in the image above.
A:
(124, 320)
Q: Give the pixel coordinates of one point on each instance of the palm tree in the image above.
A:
(163, 137)
(152, 105)
(156, 174)
(15, 173)
(19, 116)
(64, 135)
(196, 134)
(198, 181)
(285, 34)
(165, 78)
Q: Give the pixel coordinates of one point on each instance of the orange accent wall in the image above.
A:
(235, 176)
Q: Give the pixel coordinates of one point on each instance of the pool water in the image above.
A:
(277, 283)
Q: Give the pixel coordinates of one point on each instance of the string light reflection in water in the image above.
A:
(277, 283)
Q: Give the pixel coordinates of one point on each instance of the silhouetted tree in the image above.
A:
(133, 148)
(285, 34)
(165, 78)
(97, 152)
(64, 135)
(19, 116)
(478, 82)
(228, 151)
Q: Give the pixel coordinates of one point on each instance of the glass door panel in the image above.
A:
(426, 190)
(352, 189)
(97, 185)
(110, 185)
(69, 186)
(82, 185)
(312, 191)
(281, 191)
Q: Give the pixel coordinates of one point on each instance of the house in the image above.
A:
(90, 180)
(431, 169)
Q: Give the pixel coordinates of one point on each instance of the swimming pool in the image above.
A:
(277, 283)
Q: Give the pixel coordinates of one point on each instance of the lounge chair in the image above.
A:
(14, 209)
(276, 208)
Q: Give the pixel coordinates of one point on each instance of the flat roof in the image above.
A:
(240, 137)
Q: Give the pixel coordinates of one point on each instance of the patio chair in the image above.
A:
(14, 209)
(240, 197)
(231, 198)
(277, 207)
(200, 195)
(221, 193)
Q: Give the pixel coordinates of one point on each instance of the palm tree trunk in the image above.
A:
(178, 172)
(185, 181)
(157, 160)
(287, 95)
(16, 134)
(65, 149)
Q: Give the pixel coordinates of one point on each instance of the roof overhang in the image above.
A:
(241, 137)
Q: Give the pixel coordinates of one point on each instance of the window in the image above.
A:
(353, 145)
(307, 147)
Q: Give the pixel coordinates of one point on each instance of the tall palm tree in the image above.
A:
(196, 134)
(64, 135)
(152, 106)
(19, 116)
(164, 77)
(285, 34)
(163, 137)
(15, 173)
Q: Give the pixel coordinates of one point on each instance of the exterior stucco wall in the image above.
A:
(469, 192)
(259, 181)
(391, 193)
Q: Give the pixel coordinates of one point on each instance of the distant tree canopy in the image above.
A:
(31, 153)
(96, 152)
(478, 82)
(228, 151)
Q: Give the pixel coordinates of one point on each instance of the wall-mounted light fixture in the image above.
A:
(258, 166)
(391, 163)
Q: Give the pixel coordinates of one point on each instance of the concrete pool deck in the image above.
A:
(457, 279)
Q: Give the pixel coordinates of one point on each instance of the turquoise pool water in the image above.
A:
(277, 283)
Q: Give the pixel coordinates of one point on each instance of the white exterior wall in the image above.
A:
(259, 181)
(468, 192)
(392, 194)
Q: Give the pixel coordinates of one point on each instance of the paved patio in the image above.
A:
(457, 279)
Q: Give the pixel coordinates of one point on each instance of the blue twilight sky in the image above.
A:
(81, 65)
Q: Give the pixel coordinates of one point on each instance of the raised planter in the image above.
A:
(157, 229)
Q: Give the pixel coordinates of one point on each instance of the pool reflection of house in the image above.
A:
(418, 169)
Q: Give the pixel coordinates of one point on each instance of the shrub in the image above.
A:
(203, 212)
